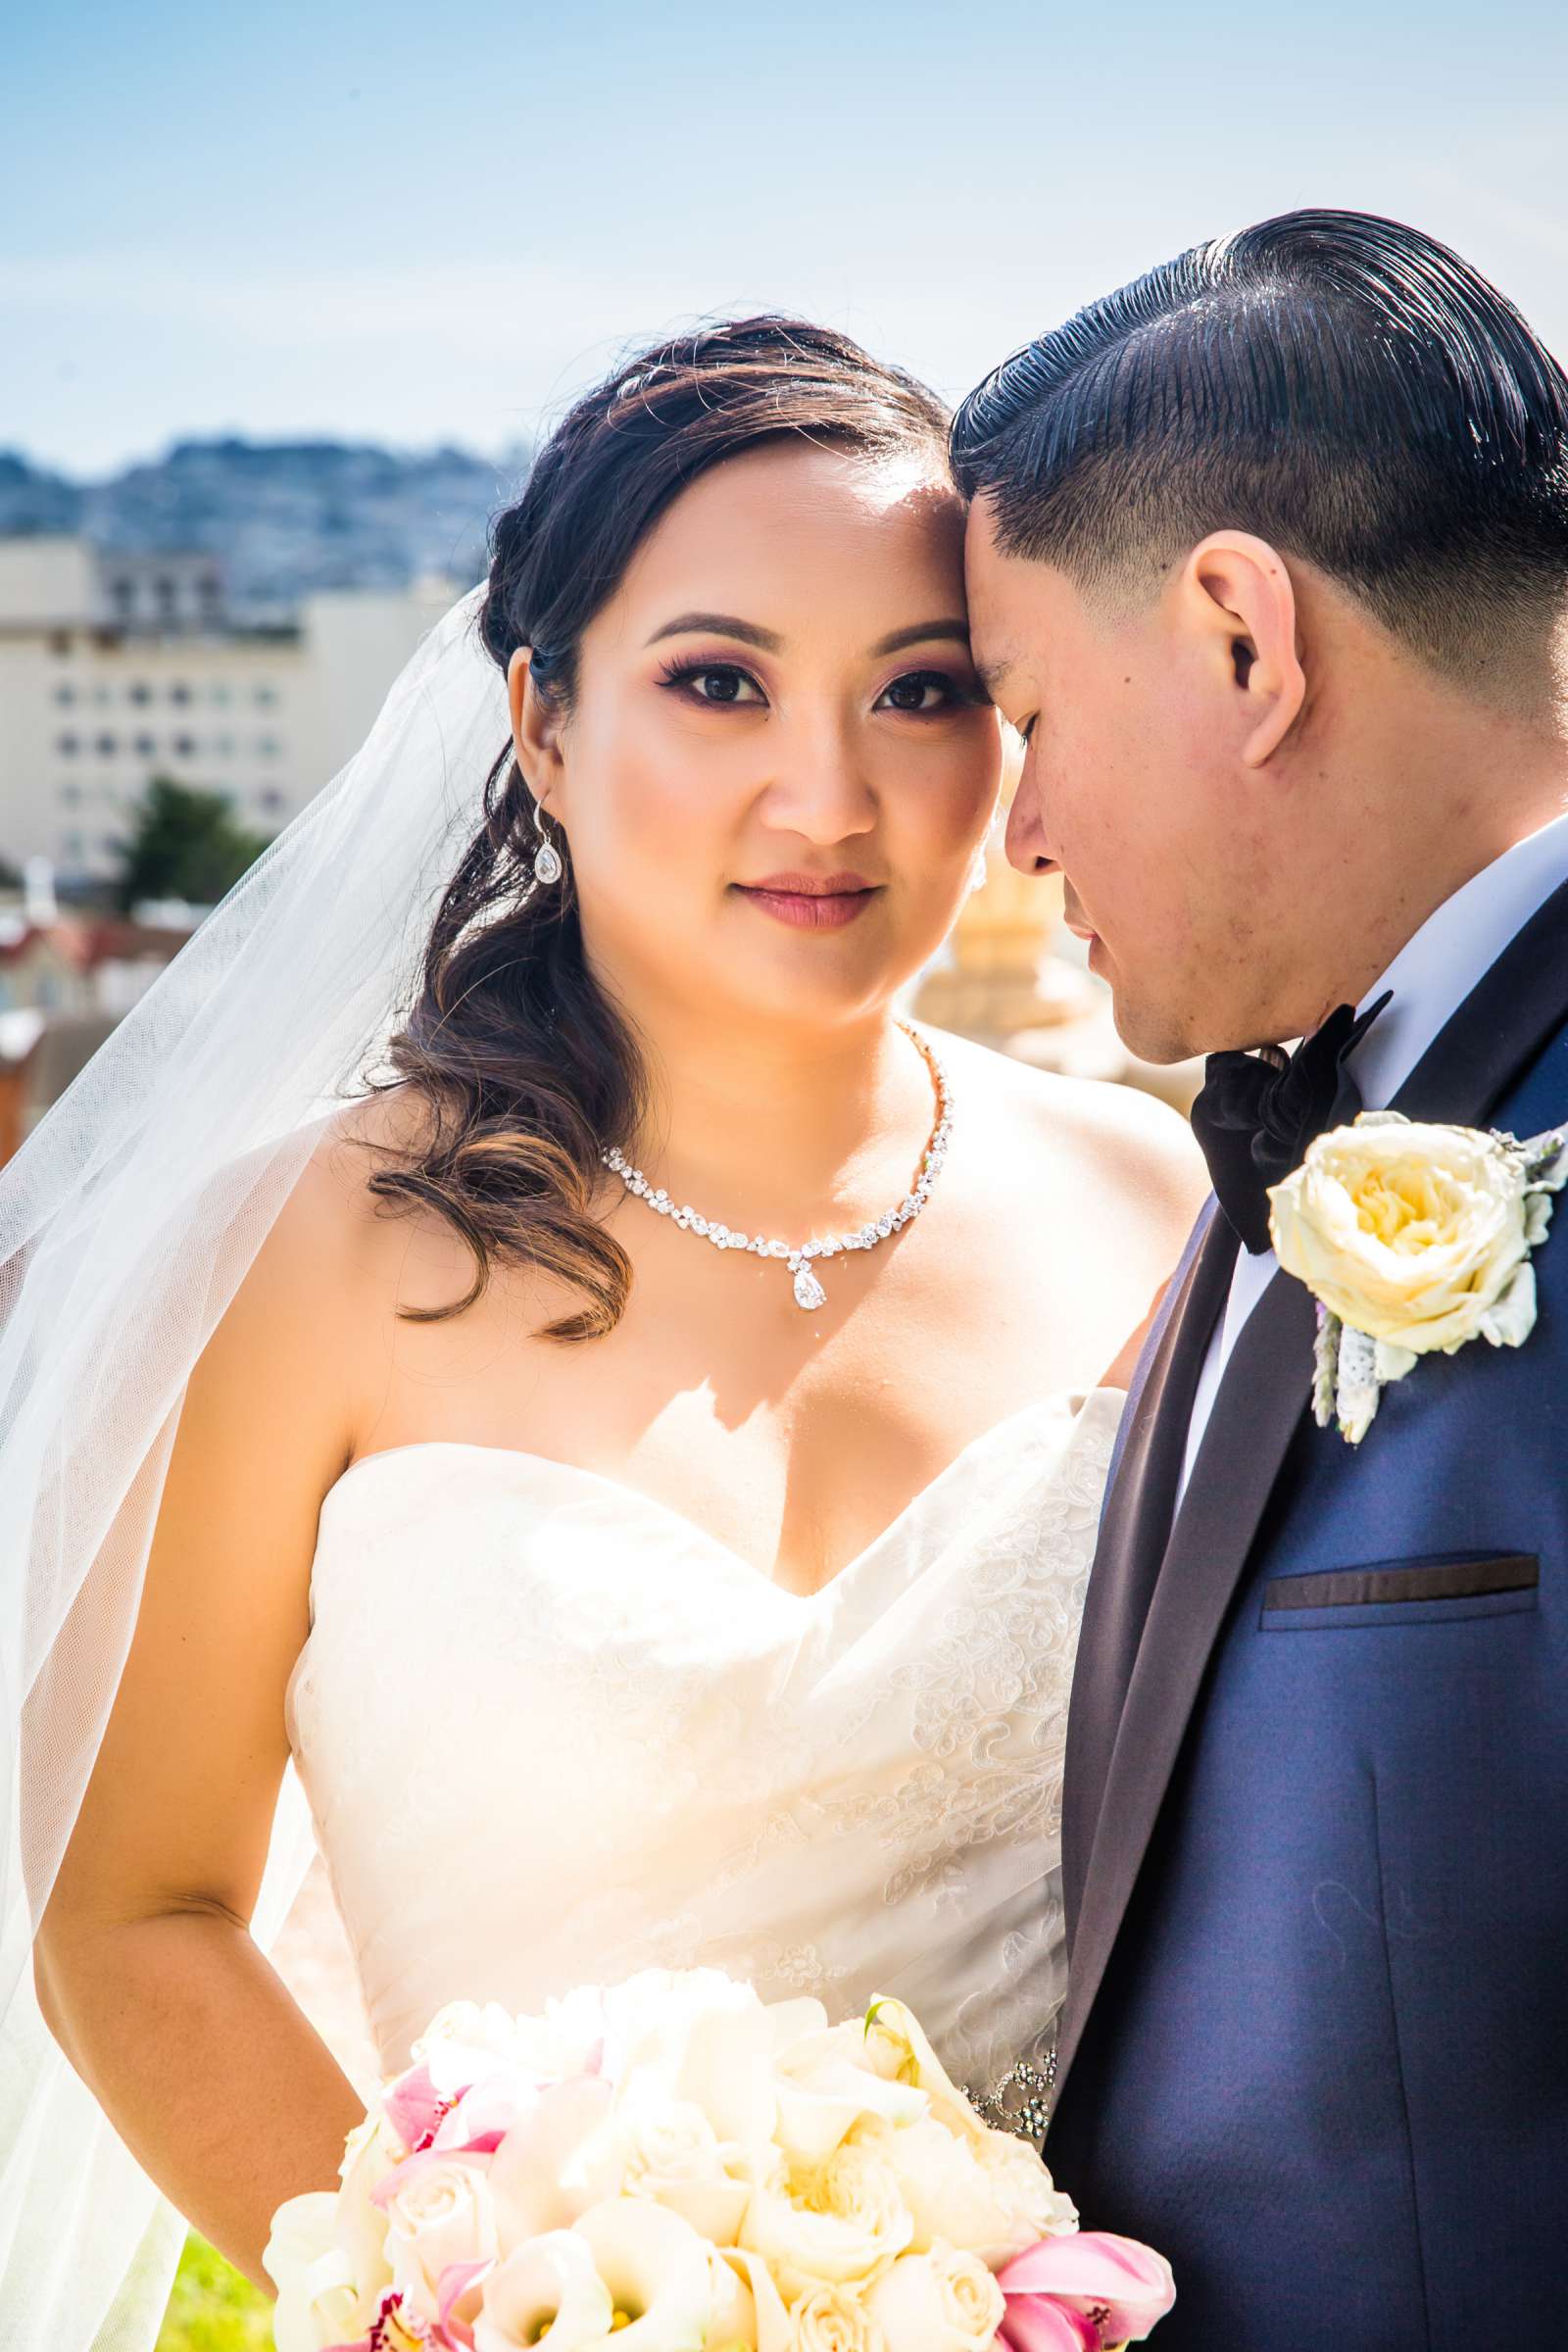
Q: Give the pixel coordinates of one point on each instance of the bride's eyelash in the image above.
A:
(960, 693)
(682, 671)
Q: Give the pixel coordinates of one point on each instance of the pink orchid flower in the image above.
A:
(481, 2116)
(1110, 2291)
(414, 2107)
(452, 2333)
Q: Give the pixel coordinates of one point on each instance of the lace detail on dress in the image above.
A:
(630, 1749)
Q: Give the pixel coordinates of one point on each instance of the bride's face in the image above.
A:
(779, 764)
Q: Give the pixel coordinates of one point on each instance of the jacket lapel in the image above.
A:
(1131, 1543)
(1497, 1033)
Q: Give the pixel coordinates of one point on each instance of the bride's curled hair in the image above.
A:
(525, 1068)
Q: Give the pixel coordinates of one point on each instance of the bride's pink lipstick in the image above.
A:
(812, 901)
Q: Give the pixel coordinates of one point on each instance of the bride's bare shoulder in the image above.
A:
(331, 1257)
(1118, 1139)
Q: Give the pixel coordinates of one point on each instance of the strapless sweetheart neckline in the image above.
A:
(552, 1732)
(638, 1497)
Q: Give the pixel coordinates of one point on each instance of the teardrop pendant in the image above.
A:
(808, 1292)
(547, 866)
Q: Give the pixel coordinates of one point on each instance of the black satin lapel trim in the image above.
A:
(1266, 1388)
(1494, 1037)
(1131, 1543)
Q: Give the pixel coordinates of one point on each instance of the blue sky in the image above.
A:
(424, 224)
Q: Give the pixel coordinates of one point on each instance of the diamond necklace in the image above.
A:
(802, 1257)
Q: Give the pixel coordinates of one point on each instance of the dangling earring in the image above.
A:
(547, 866)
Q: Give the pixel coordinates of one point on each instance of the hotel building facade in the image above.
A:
(117, 666)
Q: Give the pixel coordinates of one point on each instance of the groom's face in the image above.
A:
(1121, 794)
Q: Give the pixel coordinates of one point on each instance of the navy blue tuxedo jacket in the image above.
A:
(1315, 1836)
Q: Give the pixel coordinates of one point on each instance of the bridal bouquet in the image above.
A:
(679, 2166)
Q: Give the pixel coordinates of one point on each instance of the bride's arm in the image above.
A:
(144, 1964)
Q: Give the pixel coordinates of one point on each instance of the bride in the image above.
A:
(633, 1453)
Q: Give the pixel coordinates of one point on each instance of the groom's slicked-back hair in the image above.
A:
(1342, 386)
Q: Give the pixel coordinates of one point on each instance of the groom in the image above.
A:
(1269, 563)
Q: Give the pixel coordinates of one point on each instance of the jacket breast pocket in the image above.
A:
(1400, 1592)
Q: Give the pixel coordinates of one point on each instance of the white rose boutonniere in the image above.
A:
(1412, 1239)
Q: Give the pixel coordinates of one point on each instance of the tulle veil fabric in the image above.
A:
(127, 1220)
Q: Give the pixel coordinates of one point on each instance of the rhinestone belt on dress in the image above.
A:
(1021, 2101)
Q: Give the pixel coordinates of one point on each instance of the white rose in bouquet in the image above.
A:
(671, 2153)
(440, 2211)
(700, 2037)
(468, 2039)
(941, 2301)
(832, 2319)
(842, 2224)
(989, 2194)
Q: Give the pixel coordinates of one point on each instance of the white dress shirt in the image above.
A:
(1431, 977)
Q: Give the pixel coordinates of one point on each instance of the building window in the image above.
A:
(266, 696)
(224, 746)
(267, 746)
(64, 694)
(66, 744)
(180, 691)
(145, 746)
(109, 843)
(218, 693)
(106, 747)
(141, 692)
(167, 592)
(270, 798)
(74, 845)
(185, 745)
(71, 794)
(124, 593)
(59, 641)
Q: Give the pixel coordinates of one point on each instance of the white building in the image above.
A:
(116, 667)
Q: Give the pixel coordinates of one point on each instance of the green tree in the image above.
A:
(183, 844)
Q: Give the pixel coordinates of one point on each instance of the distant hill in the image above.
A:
(285, 516)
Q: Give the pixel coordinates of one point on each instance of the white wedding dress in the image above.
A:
(552, 1733)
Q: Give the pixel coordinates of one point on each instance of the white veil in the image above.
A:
(127, 1220)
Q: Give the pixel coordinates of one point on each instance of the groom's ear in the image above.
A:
(535, 727)
(1237, 591)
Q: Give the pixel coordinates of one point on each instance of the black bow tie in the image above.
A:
(1257, 1112)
